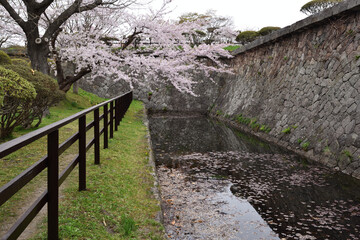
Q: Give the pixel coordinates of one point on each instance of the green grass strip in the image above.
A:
(118, 202)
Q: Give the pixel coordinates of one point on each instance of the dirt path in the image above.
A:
(33, 228)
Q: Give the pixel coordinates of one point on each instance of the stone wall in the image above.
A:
(106, 88)
(303, 82)
(160, 97)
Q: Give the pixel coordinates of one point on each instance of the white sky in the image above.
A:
(247, 14)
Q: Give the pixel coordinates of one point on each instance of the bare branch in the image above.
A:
(13, 13)
(130, 39)
(74, 8)
(59, 69)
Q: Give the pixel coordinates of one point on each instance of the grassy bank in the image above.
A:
(118, 202)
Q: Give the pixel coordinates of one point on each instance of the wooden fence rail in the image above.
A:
(117, 110)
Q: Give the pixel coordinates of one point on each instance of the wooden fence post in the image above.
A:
(116, 114)
(96, 137)
(111, 119)
(53, 185)
(82, 153)
(106, 122)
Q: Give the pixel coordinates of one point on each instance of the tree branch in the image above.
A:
(42, 6)
(74, 8)
(66, 84)
(13, 14)
(130, 39)
(28, 2)
(59, 70)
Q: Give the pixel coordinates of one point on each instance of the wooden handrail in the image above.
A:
(117, 109)
(13, 145)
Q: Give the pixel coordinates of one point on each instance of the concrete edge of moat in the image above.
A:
(156, 188)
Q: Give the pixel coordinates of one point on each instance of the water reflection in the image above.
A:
(296, 199)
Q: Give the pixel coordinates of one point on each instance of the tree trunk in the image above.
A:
(76, 87)
(38, 51)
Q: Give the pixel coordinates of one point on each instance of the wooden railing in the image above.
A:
(113, 112)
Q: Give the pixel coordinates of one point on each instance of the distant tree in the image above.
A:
(267, 30)
(9, 34)
(316, 6)
(247, 36)
(213, 28)
(3, 39)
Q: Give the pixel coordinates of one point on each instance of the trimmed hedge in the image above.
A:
(16, 96)
(247, 36)
(25, 95)
(47, 89)
(13, 85)
(267, 30)
(4, 58)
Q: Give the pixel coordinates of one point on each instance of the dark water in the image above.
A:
(297, 199)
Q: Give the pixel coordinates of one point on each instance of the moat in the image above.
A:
(219, 183)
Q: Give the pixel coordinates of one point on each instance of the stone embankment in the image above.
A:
(303, 83)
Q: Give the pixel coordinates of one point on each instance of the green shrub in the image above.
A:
(286, 130)
(242, 119)
(265, 128)
(19, 61)
(4, 58)
(218, 113)
(348, 154)
(254, 125)
(247, 36)
(13, 85)
(16, 96)
(305, 145)
(231, 47)
(267, 30)
(47, 89)
(16, 50)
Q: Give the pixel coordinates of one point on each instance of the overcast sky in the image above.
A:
(247, 14)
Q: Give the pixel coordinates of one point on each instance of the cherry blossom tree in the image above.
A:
(105, 38)
(29, 15)
(145, 49)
